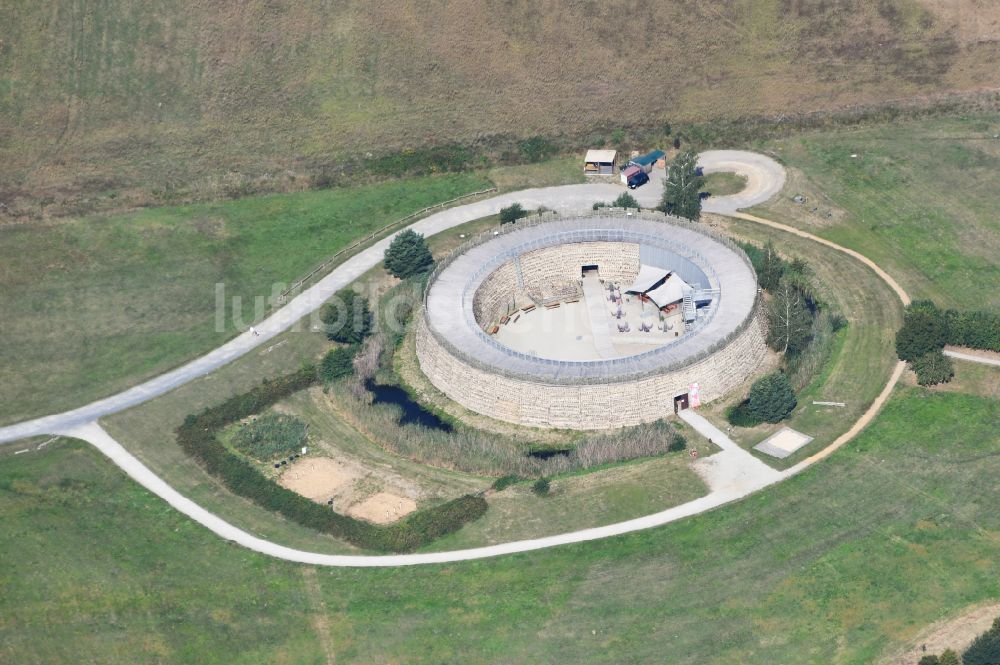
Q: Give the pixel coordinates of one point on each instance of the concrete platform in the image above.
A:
(783, 443)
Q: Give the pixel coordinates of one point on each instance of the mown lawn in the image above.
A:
(917, 197)
(91, 306)
(859, 553)
(860, 357)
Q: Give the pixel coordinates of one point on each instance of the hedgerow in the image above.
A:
(198, 437)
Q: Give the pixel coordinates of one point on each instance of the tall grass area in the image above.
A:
(477, 451)
(91, 306)
(853, 558)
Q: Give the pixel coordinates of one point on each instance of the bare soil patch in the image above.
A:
(955, 633)
(352, 490)
(383, 508)
(317, 478)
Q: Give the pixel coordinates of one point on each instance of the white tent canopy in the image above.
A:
(648, 277)
(670, 291)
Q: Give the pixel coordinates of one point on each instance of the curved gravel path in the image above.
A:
(731, 474)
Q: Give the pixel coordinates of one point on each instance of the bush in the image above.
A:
(976, 330)
(503, 482)
(933, 368)
(739, 415)
(270, 436)
(678, 444)
(929, 659)
(198, 437)
(408, 255)
(337, 363)
(347, 318)
(535, 149)
(923, 331)
(541, 487)
(771, 398)
(512, 213)
(949, 657)
(985, 649)
(625, 200)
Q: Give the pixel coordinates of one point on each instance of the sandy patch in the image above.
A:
(783, 443)
(383, 508)
(955, 633)
(316, 478)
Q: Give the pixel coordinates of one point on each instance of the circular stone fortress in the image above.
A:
(591, 321)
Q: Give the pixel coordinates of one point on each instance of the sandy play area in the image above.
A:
(323, 479)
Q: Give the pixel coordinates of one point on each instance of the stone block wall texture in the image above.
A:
(543, 269)
(599, 406)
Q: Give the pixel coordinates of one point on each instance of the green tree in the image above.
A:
(771, 398)
(949, 657)
(541, 487)
(681, 191)
(512, 213)
(789, 321)
(337, 363)
(347, 318)
(408, 255)
(924, 330)
(771, 267)
(985, 649)
(929, 659)
(933, 368)
(625, 200)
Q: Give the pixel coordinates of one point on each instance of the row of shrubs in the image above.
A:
(926, 330)
(198, 437)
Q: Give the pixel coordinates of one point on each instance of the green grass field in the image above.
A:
(93, 305)
(919, 198)
(861, 357)
(854, 556)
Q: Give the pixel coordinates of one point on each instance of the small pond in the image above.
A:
(413, 412)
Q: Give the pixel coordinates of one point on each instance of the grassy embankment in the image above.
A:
(91, 306)
(853, 557)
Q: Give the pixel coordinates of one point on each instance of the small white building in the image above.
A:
(599, 162)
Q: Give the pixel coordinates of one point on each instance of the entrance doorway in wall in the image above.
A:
(681, 403)
(586, 271)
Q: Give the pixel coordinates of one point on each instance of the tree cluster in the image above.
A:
(926, 330)
(985, 649)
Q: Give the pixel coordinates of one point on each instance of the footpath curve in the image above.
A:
(731, 474)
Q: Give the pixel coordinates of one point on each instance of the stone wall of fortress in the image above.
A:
(617, 261)
(598, 406)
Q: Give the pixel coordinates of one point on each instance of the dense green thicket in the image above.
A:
(198, 437)
(408, 255)
(337, 363)
(271, 435)
(926, 330)
(347, 318)
(985, 649)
